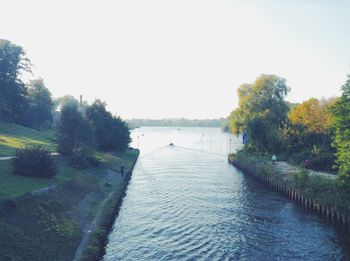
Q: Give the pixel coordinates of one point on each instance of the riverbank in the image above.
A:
(60, 219)
(95, 239)
(319, 192)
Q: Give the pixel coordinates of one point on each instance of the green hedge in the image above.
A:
(34, 162)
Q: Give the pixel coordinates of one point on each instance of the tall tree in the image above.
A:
(74, 133)
(110, 132)
(261, 112)
(40, 105)
(313, 115)
(121, 134)
(65, 100)
(100, 119)
(13, 62)
(341, 142)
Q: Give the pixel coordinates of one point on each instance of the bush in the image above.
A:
(322, 161)
(299, 157)
(318, 161)
(34, 162)
(301, 179)
(83, 158)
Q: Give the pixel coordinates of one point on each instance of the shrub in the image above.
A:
(301, 179)
(322, 161)
(83, 158)
(299, 157)
(34, 162)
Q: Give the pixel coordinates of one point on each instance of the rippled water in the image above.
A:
(187, 203)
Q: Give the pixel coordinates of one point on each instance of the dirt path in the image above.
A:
(113, 178)
(285, 167)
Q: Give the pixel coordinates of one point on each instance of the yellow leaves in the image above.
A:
(313, 114)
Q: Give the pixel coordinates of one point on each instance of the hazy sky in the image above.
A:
(180, 58)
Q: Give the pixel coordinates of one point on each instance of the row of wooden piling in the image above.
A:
(332, 214)
(329, 212)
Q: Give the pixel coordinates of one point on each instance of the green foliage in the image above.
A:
(301, 178)
(34, 162)
(100, 119)
(256, 165)
(12, 186)
(309, 132)
(341, 111)
(322, 190)
(261, 112)
(83, 158)
(111, 133)
(39, 114)
(66, 100)
(322, 161)
(39, 228)
(30, 106)
(13, 104)
(121, 139)
(74, 132)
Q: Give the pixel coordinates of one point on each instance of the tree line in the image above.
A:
(314, 130)
(182, 122)
(80, 127)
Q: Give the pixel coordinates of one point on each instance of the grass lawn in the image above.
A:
(14, 185)
(14, 136)
(49, 226)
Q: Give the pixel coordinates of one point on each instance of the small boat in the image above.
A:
(171, 144)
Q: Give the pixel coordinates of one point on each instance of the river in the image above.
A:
(185, 202)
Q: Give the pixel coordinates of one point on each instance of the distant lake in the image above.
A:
(185, 202)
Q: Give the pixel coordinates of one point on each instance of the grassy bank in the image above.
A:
(12, 186)
(322, 190)
(14, 136)
(49, 224)
(45, 219)
(99, 238)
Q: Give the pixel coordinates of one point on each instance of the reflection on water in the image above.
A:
(187, 203)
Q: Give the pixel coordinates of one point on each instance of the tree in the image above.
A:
(65, 100)
(100, 119)
(312, 114)
(262, 112)
(13, 62)
(40, 105)
(74, 132)
(310, 124)
(121, 138)
(341, 142)
(110, 132)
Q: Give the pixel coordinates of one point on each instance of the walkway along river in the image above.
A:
(187, 203)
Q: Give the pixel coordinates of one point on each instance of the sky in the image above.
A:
(183, 58)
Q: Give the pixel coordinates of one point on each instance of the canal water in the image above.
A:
(185, 202)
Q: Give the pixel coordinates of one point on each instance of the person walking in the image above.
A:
(274, 159)
(306, 163)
